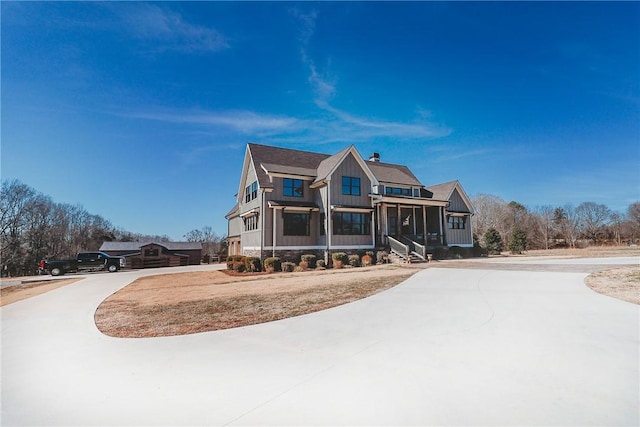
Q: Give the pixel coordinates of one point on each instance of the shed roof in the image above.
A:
(135, 246)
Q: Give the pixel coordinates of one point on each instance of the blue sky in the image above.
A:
(140, 112)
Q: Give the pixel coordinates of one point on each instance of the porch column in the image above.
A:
(440, 221)
(399, 221)
(274, 232)
(413, 212)
(424, 224)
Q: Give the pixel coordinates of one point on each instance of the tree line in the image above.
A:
(499, 225)
(34, 227)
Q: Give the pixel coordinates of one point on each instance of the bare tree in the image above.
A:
(545, 224)
(210, 240)
(592, 219)
(490, 212)
(566, 220)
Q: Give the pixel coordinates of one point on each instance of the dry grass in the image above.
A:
(589, 252)
(622, 283)
(11, 294)
(179, 304)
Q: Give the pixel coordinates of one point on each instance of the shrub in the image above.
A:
(382, 257)
(518, 242)
(339, 259)
(354, 260)
(456, 252)
(239, 267)
(340, 256)
(371, 255)
(493, 241)
(288, 267)
(252, 264)
(233, 260)
(366, 260)
(321, 264)
(310, 259)
(272, 264)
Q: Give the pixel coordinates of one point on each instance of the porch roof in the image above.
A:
(280, 204)
(408, 200)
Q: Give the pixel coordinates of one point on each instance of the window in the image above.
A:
(456, 222)
(251, 192)
(296, 224)
(251, 223)
(351, 223)
(397, 191)
(293, 187)
(151, 252)
(350, 186)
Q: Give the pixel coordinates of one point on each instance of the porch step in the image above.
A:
(413, 259)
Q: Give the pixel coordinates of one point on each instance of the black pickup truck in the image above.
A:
(84, 261)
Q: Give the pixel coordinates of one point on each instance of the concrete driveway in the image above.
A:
(447, 347)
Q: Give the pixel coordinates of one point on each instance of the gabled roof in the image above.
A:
(135, 246)
(329, 164)
(283, 159)
(274, 160)
(393, 174)
(445, 190)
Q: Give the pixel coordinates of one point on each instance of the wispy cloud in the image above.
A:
(242, 121)
(167, 30)
(342, 124)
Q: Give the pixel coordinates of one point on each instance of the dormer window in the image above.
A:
(293, 187)
(397, 191)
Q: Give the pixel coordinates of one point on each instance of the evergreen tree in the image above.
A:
(493, 241)
(518, 242)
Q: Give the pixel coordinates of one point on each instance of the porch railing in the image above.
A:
(398, 247)
(415, 247)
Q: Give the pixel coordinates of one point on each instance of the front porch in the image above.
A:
(411, 221)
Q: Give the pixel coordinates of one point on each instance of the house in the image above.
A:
(155, 254)
(291, 202)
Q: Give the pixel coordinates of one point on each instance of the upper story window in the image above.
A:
(251, 192)
(397, 191)
(293, 187)
(456, 222)
(350, 186)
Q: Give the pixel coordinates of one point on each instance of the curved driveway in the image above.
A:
(447, 347)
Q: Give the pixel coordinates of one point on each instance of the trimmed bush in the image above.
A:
(339, 259)
(310, 259)
(340, 256)
(253, 264)
(272, 264)
(366, 260)
(239, 267)
(288, 267)
(233, 260)
(382, 257)
(372, 255)
(354, 260)
(321, 264)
